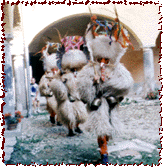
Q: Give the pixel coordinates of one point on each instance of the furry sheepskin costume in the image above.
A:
(69, 113)
(116, 81)
(49, 60)
(71, 110)
(50, 67)
(104, 80)
(117, 84)
(73, 59)
(50, 98)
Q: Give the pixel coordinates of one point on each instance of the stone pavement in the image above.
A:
(10, 140)
(10, 135)
(40, 135)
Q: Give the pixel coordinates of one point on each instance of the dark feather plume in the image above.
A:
(59, 55)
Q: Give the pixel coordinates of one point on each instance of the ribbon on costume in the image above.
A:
(97, 24)
(72, 42)
(119, 30)
(117, 27)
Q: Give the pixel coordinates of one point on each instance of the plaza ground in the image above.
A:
(139, 140)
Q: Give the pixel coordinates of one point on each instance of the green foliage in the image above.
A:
(152, 95)
(32, 140)
(12, 120)
(19, 154)
(38, 114)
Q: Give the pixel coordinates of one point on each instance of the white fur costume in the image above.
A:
(69, 113)
(118, 82)
(73, 59)
(118, 85)
(50, 98)
(49, 61)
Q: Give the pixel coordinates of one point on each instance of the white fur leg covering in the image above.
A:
(116, 123)
(98, 120)
(80, 111)
(66, 114)
(52, 103)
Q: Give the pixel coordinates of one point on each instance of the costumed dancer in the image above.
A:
(71, 110)
(50, 98)
(50, 67)
(104, 81)
(49, 55)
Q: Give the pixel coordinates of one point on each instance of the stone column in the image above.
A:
(20, 86)
(26, 58)
(9, 99)
(28, 81)
(148, 59)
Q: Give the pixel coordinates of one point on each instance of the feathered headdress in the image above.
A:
(70, 43)
(107, 28)
(52, 45)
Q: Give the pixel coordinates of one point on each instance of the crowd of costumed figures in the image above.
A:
(84, 80)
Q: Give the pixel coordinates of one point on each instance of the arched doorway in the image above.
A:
(72, 25)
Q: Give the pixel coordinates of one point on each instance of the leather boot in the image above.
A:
(52, 120)
(71, 134)
(78, 130)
